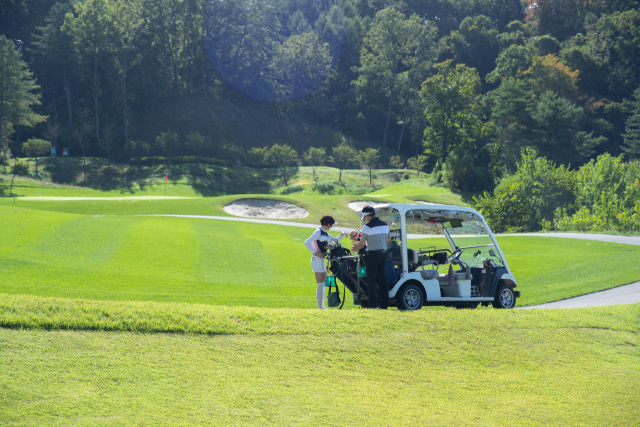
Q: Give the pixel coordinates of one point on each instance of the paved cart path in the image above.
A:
(627, 294)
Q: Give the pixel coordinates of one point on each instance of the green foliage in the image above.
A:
(417, 163)
(368, 160)
(607, 198)
(20, 168)
(526, 200)
(460, 172)
(454, 110)
(511, 61)
(475, 43)
(394, 42)
(632, 134)
(283, 156)
(343, 156)
(258, 157)
(35, 148)
(315, 157)
(137, 150)
(16, 89)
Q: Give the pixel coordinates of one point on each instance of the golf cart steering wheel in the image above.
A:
(455, 256)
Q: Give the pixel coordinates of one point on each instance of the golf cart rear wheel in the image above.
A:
(410, 297)
(505, 297)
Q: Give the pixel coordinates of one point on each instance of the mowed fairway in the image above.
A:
(231, 263)
(258, 366)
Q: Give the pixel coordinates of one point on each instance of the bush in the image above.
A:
(178, 160)
(406, 176)
(607, 198)
(528, 199)
(20, 168)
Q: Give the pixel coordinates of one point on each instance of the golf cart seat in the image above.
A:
(429, 274)
(412, 256)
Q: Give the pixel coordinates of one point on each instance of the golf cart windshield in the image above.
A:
(473, 238)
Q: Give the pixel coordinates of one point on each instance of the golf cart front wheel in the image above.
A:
(410, 297)
(505, 297)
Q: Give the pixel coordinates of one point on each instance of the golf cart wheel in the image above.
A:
(505, 297)
(410, 297)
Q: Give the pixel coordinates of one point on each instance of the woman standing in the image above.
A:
(317, 244)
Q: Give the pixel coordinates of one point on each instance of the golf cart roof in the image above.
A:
(449, 211)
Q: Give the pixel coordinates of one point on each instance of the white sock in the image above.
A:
(320, 295)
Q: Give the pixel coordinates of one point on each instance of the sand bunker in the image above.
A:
(263, 208)
(359, 204)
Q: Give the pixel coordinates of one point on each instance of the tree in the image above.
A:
(283, 156)
(88, 30)
(258, 157)
(394, 44)
(81, 136)
(16, 89)
(511, 105)
(108, 141)
(368, 160)
(454, 109)
(632, 134)
(137, 150)
(51, 134)
(417, 163)
(475, 43)
(512, 61)
(169, 144)
(548, 74)
(126, 24)
(195, 143)
(556, 130)
(343, 155)
(300, 64)
(315, 157)
(396, 162)
(35, 147)
(54, 53)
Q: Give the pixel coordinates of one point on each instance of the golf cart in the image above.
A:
(477, 271)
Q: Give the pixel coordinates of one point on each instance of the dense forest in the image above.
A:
(462, 83)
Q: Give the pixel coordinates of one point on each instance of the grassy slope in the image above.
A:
(305, 367)
(216, 262)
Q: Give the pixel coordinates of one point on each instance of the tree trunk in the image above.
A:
(36, 159)
(84, 167)
(67, 90)
(404, 123)
(175, 66)
(284, 174)
(369, 177)
(95, 95)
(124, 98)
(340, 176)
(15, 161)
(386, 128)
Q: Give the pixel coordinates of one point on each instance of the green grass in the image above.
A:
(230, 263)
(255, 366)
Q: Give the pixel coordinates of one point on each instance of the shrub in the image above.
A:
(528, 199)
(406, 176)
(20, 168)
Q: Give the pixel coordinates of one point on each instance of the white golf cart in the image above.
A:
(477, 274)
